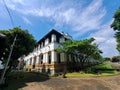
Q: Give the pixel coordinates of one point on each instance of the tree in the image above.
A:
(2, 45)
(82, 49)
(24, 44)
(107, 59)
(116, 26)
(116, 59)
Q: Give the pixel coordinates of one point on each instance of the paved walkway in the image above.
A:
(78, 83)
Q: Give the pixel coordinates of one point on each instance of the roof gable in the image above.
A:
(53, 31)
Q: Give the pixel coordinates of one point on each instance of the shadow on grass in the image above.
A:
(17, 80)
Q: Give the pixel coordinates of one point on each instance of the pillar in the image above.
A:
(37, 59)
(28, 62)
(54, 57)
(44, 58)
(47, 58)
(32, 61)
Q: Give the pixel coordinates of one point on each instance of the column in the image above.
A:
(37, 62)
(47, 58)
(37, 59)
(28, 62)
(54, 57)
(32, 61)
(44, 58)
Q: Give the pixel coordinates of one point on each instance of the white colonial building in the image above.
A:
(44, 57)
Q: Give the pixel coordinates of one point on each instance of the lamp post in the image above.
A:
(6, 65)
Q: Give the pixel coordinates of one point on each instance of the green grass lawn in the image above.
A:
(78, 74)
(102, 72)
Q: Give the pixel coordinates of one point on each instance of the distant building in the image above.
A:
(45, 58)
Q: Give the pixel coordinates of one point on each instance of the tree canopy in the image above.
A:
(116, 26)
(116, 59)
(82, 49)
(24, 44)
(116, 23)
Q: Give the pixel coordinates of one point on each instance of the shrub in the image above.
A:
(99, 68)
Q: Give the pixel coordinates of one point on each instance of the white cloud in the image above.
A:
(105, 39)
(81, 18)
(26, 20)
(90, 18)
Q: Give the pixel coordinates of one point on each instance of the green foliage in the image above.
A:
(116, 23)
(107, 59)
(103, 66)
(24, 44)
(101, 69)
(89, 70)
(117, 36)
(116, 26)
(78, 74)
(84, 48)
(116, 59)
(114, 65)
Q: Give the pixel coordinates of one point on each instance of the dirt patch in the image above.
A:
(91, 83)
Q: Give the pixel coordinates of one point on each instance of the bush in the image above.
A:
(99, 68)
(88, 70)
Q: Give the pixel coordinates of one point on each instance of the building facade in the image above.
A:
(44, 57)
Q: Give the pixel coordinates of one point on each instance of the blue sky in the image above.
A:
(80, 18)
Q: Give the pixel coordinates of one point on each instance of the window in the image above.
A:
(49, 57)
(50, 39)
(57, 39)
(58, 57)
(34, 60)
(41, 59)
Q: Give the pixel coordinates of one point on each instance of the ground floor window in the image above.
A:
(58, 58)
(49, 57)
(34, 62)
(41, 59)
